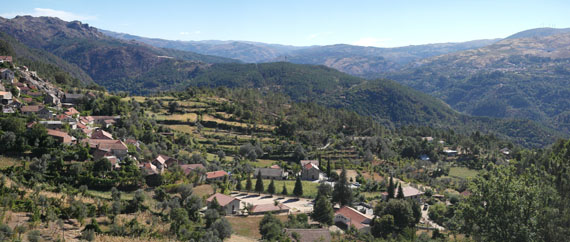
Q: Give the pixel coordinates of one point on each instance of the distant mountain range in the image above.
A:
(510, 78)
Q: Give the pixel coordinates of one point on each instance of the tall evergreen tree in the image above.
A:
(400, 192)
(342, 193)
(271, 188)
(391, 188)
(248, 184)
(323, 211)
(284, 192)
(298, 190)
(259, 183)
(329, 168)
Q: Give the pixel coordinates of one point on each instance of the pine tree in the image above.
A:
(329, 168)
(400, 192)
(271, 188)
(248, 184)
(284, 192)
(259, 183)
(342, 193)
(323, 211)
(391, 188)
(298, 190)
(238, 185)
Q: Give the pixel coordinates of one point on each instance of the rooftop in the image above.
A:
(215, 174)
(223, 199)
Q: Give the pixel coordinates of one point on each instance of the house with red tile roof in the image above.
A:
(348, 216)
(61, 137)
(310, 172)
(216, 175)
(187, 168)
(117, 147)
(229, 203)
(71, 111)
(101, 134)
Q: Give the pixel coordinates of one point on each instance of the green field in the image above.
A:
(462, 172)
(309, 188)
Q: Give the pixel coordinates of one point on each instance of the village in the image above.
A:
(23, 91)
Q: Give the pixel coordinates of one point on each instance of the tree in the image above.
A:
(270, 228)
(505, 205)
(284, 192)
(298, 190)
(329, 168)
(271, 188)
(248, 184)
(400, 192)
(223, 228)
(342, 193)
(383, 226)
(323, 211)
(401, 210)
(259, 183)
(391, 188)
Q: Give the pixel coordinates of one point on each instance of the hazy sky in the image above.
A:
(292, 22)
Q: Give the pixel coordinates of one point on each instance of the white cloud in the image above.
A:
(371, 41)
(63, 15)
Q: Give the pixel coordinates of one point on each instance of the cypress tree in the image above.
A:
(298, 190)
(271, 188)
(400, 192)
(284, 192)
(259, 183)
(342, 193)
(248, 184)
(391, 188)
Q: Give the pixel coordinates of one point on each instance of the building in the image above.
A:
(7, 75)
(409, 192)
(52, 100)
(309, 235)
(72, 98)
(45, 113)
(30, 109)
(71, 112)
(188, 168)
(5, 59)
(229, 203)
(162, 162)
(269, 208)
(310, 172)
(116, 147)
(450, 153)
(5, 98)
(216, 175)
(101, 134)
(271, 173)
(347, 216)
(57, 124)
(61, 137)
(429, 139)
(149, 169)
(314, 162)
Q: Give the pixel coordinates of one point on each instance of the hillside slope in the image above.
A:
(105, 59)
(513, 78)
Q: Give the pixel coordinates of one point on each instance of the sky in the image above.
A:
(303, 23)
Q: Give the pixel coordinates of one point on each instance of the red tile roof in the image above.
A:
(101, 134)
(215, 174)
(187, 168)
(6, 58)
(223, 199)
(30, 108)
(356, 218)
(71, 112)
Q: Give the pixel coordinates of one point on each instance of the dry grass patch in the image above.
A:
(249, 226)
(182, 128)
(187, 117)
(7, 161)
(203, 190)
(108, 238)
